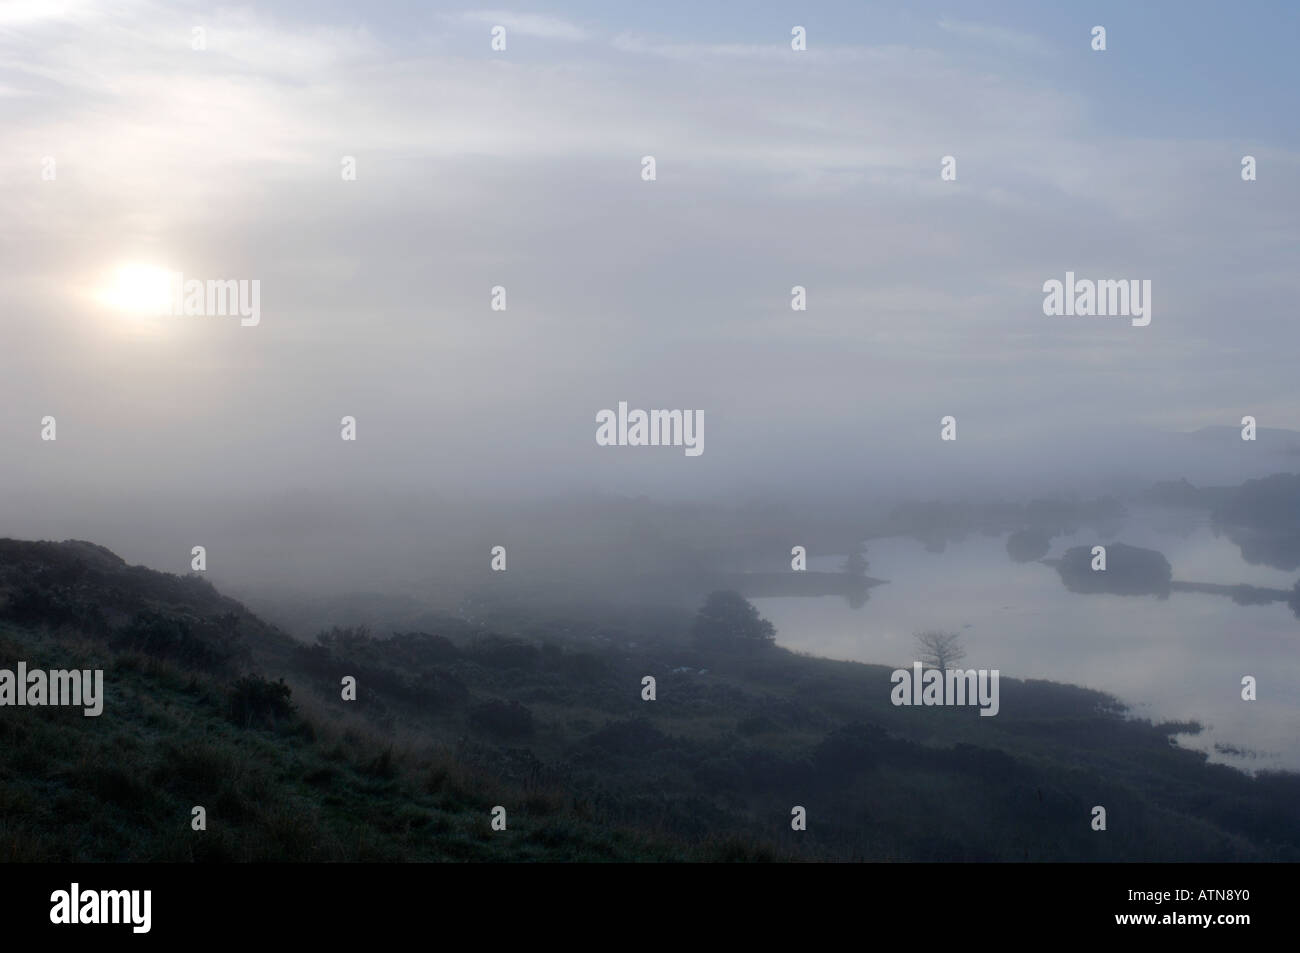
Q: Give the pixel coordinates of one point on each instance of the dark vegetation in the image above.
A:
(206, 705)
(1271, 503)
(728, 623)
(1261, 517)
(1130, 571)
(936, 523)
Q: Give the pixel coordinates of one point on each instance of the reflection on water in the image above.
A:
(1280, 550)
(1177, 658)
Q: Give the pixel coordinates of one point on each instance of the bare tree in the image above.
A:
(940, 649)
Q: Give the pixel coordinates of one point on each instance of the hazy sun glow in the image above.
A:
(138, 289)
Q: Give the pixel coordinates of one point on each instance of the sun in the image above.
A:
(138, 289)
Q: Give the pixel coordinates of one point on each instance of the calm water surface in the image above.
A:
(1175, 659)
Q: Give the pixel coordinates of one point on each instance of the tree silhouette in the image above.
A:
(940, 649)
(856, 564)
(728, 621)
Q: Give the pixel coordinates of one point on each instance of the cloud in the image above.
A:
(775, 168)
(657, 46)
(528, 24)
(20, 13)
(995, 35)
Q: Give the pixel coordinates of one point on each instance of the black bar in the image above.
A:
(327, 903)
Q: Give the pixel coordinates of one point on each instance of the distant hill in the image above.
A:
(1271, 439)
(1182, 493)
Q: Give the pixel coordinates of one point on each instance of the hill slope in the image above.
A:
(544, 716)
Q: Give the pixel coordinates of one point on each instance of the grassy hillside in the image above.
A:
(544, 717)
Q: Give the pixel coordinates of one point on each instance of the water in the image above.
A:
(1175, 659)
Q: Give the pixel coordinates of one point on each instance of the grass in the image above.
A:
(709, 771)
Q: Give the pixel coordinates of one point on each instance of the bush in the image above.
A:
(34, 604)
(422, 648)
(756, 725)
(255, 701)
(728, 621)
(347, 641)
(168, 637)
(504, 719)
(381, 766)
(634, 736)
(496, 652)
(848, 750)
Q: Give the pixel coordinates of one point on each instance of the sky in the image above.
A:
(522, 168)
